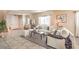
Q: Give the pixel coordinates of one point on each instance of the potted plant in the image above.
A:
(2, 27)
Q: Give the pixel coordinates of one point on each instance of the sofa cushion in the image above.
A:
(43, 26)
(64, 33)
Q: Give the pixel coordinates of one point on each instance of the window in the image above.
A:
(44, 20)
(28, 21)
(77, 23)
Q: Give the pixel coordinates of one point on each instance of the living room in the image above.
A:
(35, 26)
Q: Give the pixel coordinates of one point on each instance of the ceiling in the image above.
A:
(24, 11)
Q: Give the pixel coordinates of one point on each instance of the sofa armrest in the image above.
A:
(56, 43)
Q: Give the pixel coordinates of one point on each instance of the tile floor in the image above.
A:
(12, 41)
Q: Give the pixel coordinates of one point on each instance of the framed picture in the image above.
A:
(62, 17)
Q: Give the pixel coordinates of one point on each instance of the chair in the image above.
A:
(60, 43)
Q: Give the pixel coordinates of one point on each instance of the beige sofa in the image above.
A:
(42, 28)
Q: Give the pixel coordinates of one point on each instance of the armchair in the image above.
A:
(60, 43)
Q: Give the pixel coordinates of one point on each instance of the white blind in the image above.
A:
(44, 20)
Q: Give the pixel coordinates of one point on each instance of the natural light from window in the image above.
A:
(44, 20)
(77, 23)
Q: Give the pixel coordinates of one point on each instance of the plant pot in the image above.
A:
(2, 35)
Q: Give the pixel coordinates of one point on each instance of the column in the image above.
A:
(23, 19)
